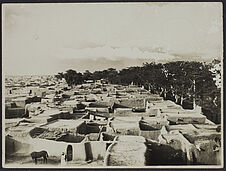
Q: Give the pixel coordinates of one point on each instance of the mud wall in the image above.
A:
(130, 103)
(81, 151)
(163, 154)
(207, 155)
(12, 146)
(122, 111)
(55, 148)
(153, 135)
(95, 150)
(14, 112)
(108, 136)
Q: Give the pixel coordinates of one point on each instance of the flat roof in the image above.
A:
(50, 112)
(181, 127)
(175, 115)
(131, 138)
(63, 123)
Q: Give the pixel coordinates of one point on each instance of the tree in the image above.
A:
(177, 81)
(60, 75)
(87, 75)
(97, 75)
(73, 78)
(69, 77)
(112, 75)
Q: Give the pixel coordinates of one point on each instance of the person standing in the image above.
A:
(63, 159)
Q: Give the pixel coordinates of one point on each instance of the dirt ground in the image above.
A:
(26, 161)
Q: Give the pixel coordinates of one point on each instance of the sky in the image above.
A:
(52, 38)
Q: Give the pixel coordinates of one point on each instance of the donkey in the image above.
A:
(35, 155)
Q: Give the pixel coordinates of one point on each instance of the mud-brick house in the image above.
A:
(122, 111)
(89, 81)
(72, 105)
(176, 118)
(177, 141)
(97, 115)
(60, 136)
(125, 125)
(150, 127)
(101, 106)
(12, 111)
(22, 101)
(16, 108)
(195, 142)
(126, 106)
(44, 114)
(131, 102)
(80, 151)
(207, 140)
(75, 146)
(63, 125)
(101, 81)
(77, 127)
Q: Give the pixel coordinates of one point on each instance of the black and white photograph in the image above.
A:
(112, 85)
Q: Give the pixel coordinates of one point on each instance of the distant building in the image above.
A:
(89, 81)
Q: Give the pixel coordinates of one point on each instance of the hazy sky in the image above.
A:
(49, 38)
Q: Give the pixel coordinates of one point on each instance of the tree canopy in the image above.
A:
(181, 80)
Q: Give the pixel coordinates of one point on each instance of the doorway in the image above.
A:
(69, 153)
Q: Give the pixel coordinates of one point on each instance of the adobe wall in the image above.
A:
(81, 151)
(188, 119)
(12, 146)
(96, 109)
(97, 149)
(55, 148)
(130, 103)
(164, 154)
(108, 136)
(207, 150)
(20, 103)
(153, 135)
(153, 112)
(14, 112)
(123, 111)
(178, 142)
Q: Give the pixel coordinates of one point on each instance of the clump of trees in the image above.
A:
(180, 81)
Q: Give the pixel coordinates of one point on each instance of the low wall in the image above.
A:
(153, 112)
(20, 103)
(96, 109)
(186, 118)
(130, 103)
(14, 112)
(153, 135)
(122, 111)
(108, 136)
(154, 99)
(128, 131)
